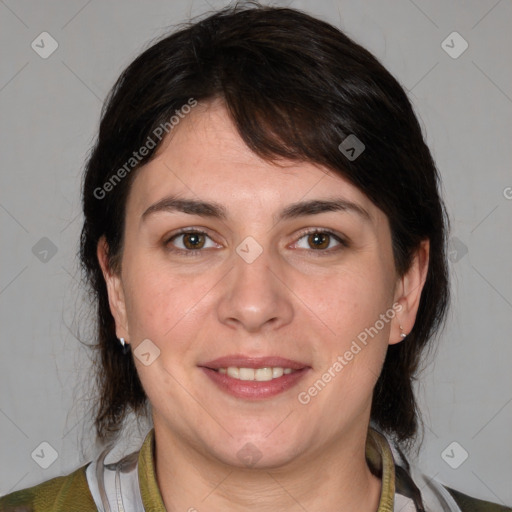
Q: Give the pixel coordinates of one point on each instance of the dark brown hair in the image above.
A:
(295, 87)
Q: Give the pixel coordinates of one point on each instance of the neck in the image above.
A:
(335, 477)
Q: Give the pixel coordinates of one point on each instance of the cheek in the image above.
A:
(349, 301)
(351, 349)
(151, 298)
(163, 303)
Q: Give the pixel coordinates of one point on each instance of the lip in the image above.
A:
(255, 390)
(241, 361)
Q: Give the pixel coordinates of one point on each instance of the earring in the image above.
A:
(402, 335)
(125, 346)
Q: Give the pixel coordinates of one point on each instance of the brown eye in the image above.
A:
(319, 240)
(193, 240)
(189, 242)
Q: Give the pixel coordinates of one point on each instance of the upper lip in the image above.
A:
(253, 362)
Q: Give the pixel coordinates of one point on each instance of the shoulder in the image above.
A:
(60, 494)
(470, 504)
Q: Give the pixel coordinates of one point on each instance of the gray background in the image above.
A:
(50, 112)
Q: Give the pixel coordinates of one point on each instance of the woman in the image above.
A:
(265, 241)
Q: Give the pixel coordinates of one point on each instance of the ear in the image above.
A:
(408, 293)
(115, 291)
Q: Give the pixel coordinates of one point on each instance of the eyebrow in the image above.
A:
(215, 210)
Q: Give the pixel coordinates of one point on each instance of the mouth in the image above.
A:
(254, 377)
(258, 374)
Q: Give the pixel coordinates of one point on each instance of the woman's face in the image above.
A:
(260, 280)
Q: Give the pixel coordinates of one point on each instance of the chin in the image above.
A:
(255, 452)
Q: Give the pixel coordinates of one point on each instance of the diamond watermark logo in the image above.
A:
(45, 455)
(454, 45)
(249, 454)
(351, 147)
(44, 45)
(146, 352)
(456, 249)
(249, 249)
(44, 250)
(454, 455)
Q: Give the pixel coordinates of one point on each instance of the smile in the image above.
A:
(255, 383)
(257, 374)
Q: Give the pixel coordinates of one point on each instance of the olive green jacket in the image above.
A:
(84, 490)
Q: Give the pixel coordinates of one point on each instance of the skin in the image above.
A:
(290, 301)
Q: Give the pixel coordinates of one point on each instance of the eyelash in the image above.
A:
(317, 253)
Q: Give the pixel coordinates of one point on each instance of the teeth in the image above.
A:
(277, 372)
(258, 374)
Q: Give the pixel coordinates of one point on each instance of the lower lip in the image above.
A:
(254, 389)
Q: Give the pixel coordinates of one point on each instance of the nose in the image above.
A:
(255, 296)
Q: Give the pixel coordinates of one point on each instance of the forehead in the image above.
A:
(205, 158)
